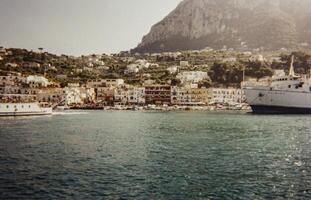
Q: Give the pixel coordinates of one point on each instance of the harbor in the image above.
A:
(155, 100)
(155, 155)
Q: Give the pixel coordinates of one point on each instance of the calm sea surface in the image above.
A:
(152, 155)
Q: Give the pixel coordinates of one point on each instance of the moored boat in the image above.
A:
(283, 94)
(21, 105)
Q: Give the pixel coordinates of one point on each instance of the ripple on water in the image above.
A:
(138, 155)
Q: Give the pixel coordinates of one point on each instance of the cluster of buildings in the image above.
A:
(168, 95)
(16, 85)
(112, 92)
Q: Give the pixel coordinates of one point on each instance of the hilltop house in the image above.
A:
(11, 65)
(37, 81)
(31, 65)
(139, 65)
(184, 63)
(105, 83)
(172, 69)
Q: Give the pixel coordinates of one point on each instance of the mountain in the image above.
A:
(238, 24)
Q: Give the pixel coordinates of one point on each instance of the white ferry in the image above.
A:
(21, 108)
(283, 94)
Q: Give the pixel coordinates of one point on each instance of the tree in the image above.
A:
(175, 82)
(206, 83)
(301, 62)
(258, 69)
(218, 72)
(226, 73)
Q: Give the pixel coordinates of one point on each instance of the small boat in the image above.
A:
(22, 105)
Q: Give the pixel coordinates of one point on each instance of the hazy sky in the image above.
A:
(79, 26)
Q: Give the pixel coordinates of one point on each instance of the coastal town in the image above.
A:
(192, 80)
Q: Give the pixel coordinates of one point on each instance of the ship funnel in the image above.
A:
(291, 70)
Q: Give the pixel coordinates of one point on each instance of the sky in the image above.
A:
(79, 27)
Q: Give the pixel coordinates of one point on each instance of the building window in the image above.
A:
(289, 86)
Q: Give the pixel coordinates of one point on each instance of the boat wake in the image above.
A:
(70, 113)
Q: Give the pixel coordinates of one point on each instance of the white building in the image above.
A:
(102, 67)
(227, 96)
(61, 76)
(105, 83)
(12, 79)
(31, 65)
(11, 65)
(184, 63)
(78, 70)
(139, 65)
(189, 96)
(78, 95)
(90, 64)
(257, 58)
(37, 81)
(50, 67)
(73, 84)
(230, 59)
(72, 96)
(120, 96)
(10, 89)
(132, 68)
(136, 95)
(51, 95)
(128, 59)
(172, 69)
(143, 63)
(149, 82)
(129, 95)
(247, 53)
(192, 76)
(88, 69)
(276, 59)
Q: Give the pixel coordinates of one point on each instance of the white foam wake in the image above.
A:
(70, 113)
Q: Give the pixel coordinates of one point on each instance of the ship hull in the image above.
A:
(13, 114)
(264, 101)
(23, 109)
(262, 109)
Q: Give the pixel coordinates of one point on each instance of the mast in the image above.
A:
(291, 70)
(243, 74)
(243, 77)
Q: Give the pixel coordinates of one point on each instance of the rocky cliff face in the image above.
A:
(238, 24)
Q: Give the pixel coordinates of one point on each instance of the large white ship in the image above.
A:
(283, 94)
(21, 107)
